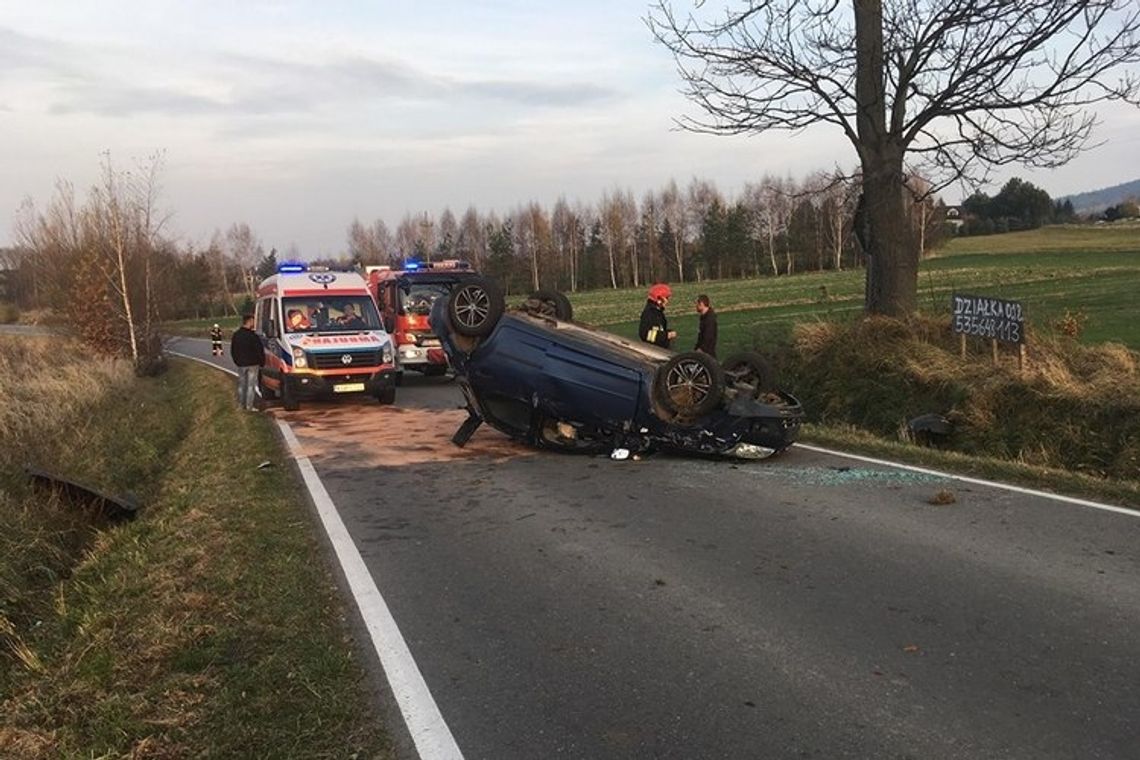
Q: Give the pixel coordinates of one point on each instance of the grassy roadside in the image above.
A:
(207, 627)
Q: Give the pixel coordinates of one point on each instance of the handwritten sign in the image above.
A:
(986, 317)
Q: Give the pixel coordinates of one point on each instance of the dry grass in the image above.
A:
(1073, 407)
(207, 627)
(48, 384)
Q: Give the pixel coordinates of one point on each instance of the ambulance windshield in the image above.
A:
(337, 314)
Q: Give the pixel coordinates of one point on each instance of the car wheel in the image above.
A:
(264, 390)
(289, 400)
(749, 373)
(550, 303)
(474, 307)
(386, 395)
(689, 384)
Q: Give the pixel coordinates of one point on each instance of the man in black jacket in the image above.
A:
(654, 328)
(249, 355)
(706, 332)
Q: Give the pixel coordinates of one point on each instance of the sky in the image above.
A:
(297, 117)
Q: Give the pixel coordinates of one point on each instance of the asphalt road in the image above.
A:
(803, 607)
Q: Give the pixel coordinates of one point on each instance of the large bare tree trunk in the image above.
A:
(892, 263)
(892, 266)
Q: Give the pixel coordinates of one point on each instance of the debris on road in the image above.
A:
(943, 496)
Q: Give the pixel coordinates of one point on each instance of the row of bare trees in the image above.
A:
(106, 266)
(776, 226)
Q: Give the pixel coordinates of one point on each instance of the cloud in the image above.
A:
(112, 82)
(541, 93)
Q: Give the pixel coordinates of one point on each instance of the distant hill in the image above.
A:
(1099, 200)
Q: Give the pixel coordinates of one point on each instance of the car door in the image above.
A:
(588, 383)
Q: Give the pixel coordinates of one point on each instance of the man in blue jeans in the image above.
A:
(249, 355)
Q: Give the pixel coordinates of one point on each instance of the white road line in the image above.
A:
(425, 723)
(202, 361)
(976, 481)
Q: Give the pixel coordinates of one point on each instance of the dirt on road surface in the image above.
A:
(391, 436)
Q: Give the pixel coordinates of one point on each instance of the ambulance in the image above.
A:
(404, 295)
(323, 337)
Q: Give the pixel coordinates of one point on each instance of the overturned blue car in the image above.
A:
(538, 376)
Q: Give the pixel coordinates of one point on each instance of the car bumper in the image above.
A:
(310, 384)
(414, 357)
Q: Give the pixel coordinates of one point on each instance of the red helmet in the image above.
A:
(659, 291)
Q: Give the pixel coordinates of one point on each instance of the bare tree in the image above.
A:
(532, 237)
(651, 215)
(448, 234)
(245, 251)
(566, 236)
(472, 241)
(613, 234)
(371, 244)
(920, 204)
(100, 257)
(958, 86)
(673, 206)
(627, 207)
(407, 236)
(774, 197)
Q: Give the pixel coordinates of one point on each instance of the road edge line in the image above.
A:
(425, 723)
(975, 481)
(429, 731)
(200, 360)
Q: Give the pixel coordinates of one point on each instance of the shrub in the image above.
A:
(1071, 324)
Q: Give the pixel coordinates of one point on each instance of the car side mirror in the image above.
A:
(389, 323)
(271, 330)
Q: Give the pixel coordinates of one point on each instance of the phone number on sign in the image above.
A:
(988, 327)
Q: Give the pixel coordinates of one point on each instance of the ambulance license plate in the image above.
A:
(348, 387)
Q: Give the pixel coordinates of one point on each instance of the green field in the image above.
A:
(1093, 271)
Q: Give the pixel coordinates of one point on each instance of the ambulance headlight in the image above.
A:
(386, 353)
(299, 358)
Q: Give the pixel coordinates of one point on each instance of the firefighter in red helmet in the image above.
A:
(654, 327)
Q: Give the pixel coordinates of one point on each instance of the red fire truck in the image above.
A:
(404, 295)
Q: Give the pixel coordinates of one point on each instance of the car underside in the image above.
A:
(538, 376)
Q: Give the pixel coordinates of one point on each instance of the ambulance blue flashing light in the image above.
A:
(411, 266)
(291, 267)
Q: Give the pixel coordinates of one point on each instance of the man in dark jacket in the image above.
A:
(654, 328)
(706, 332)
(249, 355)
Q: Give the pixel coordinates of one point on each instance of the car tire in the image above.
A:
(551, 303)
(689, 384)
(266, 393)
(289, 400)
(474, 307)
(749, 372)
(386, 395)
